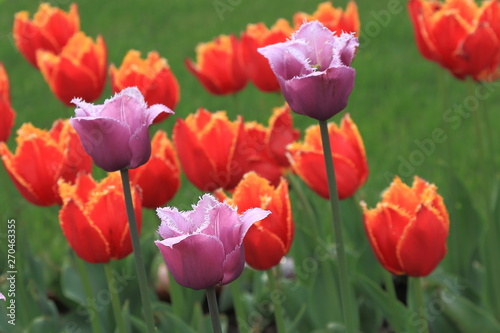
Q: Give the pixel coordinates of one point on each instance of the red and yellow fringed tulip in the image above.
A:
(256, 65)
(459, 35)
(93, 218)
(218, 66)
(50, 30)
(268, 145)
(159, 178)
(152, 76)
(335, 19)
(268, 240)
(408, 229)
(7, 113)
(78, 71)
(348, 151)
(211, 149)
(42, 158)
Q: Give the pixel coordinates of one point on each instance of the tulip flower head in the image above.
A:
(335, 19)
(2, 297)
(203, 247)
(50, 30)
(115, 133)
(459, 35)
(313, 70)
(152, 76)
(408, 229)
(7, 113)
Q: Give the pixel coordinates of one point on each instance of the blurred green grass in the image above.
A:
(396, 99)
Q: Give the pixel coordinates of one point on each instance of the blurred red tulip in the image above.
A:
(78, 71)
(335, 19)
(159, 178)
(459, 35)
(256, 65)
(267, 156)
(50, 30)
(268, 240)
(211, 149)
(42, 158)
(94, 220)
(218, 66)
(408, 229)
(152, 76)
(348, 151)
(7, 113)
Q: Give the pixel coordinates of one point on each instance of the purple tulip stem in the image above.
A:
(418, 302)
(345, 289)
(136, 245)
(214, 309)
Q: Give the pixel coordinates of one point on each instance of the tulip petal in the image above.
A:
(173, 223)
(423, 243)
(196, 261)
(317, 36)
(263, 249)
(233, 265)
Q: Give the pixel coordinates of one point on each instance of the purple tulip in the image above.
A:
(2, 297)
(313, 70)
(115, 134)
(203, 247)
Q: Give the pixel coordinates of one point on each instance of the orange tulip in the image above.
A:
(459, 35)
(333, 18)
(42, 158)
(7, 113)
(93, 218)
(211, 149)
(408, 229)
(268, 240)
(268, 145)
(256, 65)
(78, 71)
(159, 178)
(218, 66)
(152, 76)
(349, 157)
(50, 30)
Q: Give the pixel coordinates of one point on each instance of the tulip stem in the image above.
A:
(239, 307)
(278, 309)
(389, 286)
(115, 298)
(418, 301)
(136, 245)
(307, 205)
(345, 290)
(213, 309)
(87, 287)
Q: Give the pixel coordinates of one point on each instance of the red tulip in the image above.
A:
(42, 158)
(218, 66)
(335, 19)
(211, 149)
(79, 71)
(50, 30)
(348, 151)
(408, 229)
(152, 76)
(159, 178)
(7, 113)
(256, 65)
(94, 219)
(459, 35)
(268, 240)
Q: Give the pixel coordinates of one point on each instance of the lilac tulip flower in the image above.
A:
(115, 134)
(203, 247)
(2, 297)
(313, 70)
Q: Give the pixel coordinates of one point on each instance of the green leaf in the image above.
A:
(44, 325)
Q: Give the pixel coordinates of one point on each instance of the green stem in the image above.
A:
(93, 316)
(305, 203)
(239, 307)
(337, 229)
(115, 298)
(278, 309)
(389, 286)
(213, 309)
(418, 300)
(136, 245)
